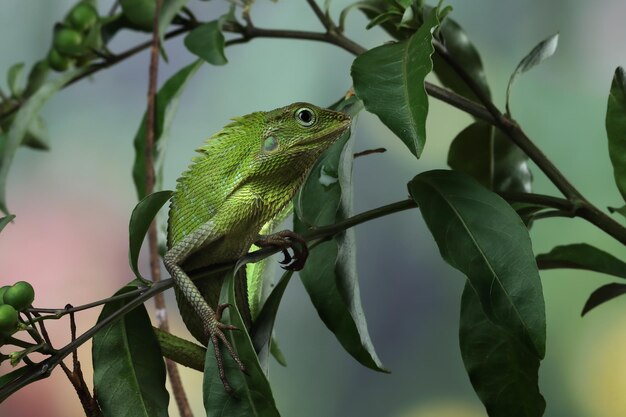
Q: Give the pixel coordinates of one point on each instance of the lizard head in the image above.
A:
(295, 136)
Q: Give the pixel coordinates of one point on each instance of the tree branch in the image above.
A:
(155, 266)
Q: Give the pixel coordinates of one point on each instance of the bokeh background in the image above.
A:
(73, 204)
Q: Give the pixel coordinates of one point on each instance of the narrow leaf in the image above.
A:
(140, 219)
(263, 326)
(12, 376)
(6, 220)
(483, 152)
(479, 234)
(616, 128)
(390, 81)
(466, 55)
(169, 10)
(129, 371)
(503, 372)
(544, 50)
(167, 101)
(207, 42)
(329, 275)
(13, 78)
(253, 390)
(582, 256)
(10, 142)
(602, 295)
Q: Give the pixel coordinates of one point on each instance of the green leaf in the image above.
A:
(544, 50)
(23, 119)
(37, 135)
(11, 376)
(36, 77)
(6, 220)
(169, 10)
(329, 275)
(503, 372)
(479, 234)
(616, 128)
(253, 390)
(129, 371)
(167, 101)
(602, 295)
(582, 256)
(13, 78)
(619, 210)
(263, 326)
(483, 152)
(140, 219)
(390, 81)
(207, 42)
(461, 48)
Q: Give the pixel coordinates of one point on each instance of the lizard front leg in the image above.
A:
(211, 320)
(283, 240)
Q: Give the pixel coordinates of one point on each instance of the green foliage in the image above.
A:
(13, 138)
(207, 42)
(329, 275)
(544, 50)
(167, 101)
(615, 128)
(479, 234)
(253, 390)
(143, 214)
(6, 220)
(503, 371)
(129, 371)
(483, 152)
(389, 79)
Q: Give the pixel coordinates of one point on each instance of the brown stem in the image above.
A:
(155, 267)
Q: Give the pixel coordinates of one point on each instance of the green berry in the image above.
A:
(83, 16)
(68, 42)
(2, 291)
(139, 12)
(8, 318)
(20, 295)
(57, 61)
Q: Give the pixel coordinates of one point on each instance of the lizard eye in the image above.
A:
(270, 143)
(305, 116)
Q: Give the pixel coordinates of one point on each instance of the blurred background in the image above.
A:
(73, 204)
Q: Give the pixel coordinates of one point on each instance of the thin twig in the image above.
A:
(369, 152)
(155, 266)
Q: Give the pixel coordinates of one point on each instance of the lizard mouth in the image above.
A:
(346, 121)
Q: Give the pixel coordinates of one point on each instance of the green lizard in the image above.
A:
(245, 175)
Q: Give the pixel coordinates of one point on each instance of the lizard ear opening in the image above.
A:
(270, 144)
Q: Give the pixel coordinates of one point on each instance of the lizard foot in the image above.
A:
(215, 329)
(284, 240)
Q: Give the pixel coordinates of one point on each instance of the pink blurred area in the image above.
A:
(73, 251)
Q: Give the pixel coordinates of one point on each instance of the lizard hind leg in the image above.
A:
(211, 320)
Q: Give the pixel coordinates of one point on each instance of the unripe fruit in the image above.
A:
(139, 12)
(83, 16)
(57, 61)
(68, 42)
(8, 318)
(20, 295)
(2, 291)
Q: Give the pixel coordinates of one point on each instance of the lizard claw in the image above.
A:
(215, 330)
(284, 240)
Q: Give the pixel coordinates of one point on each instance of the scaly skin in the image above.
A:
(246, 174)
